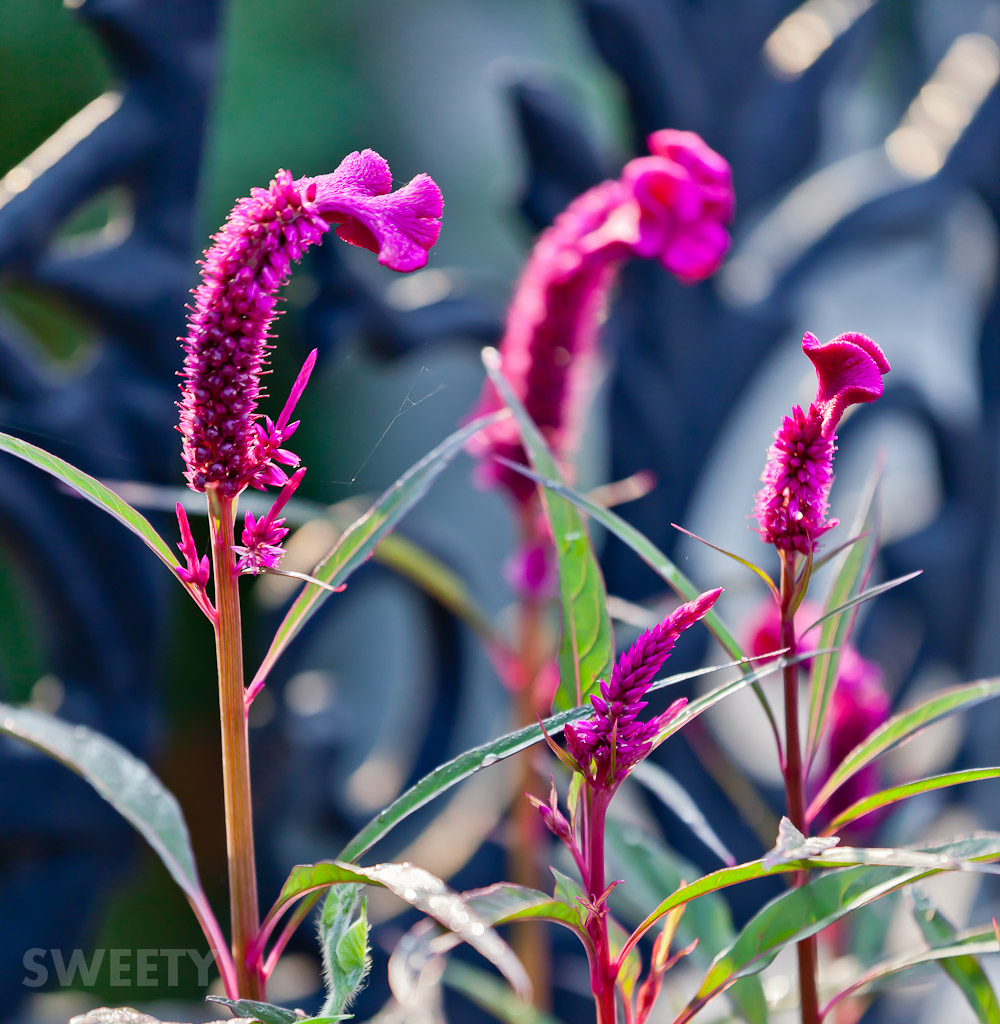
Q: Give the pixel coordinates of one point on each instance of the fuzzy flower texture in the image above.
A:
(792, 506)
(609, 744)
(670, 206)
(225, 445)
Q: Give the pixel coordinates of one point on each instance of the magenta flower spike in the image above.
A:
(234, 306)
(609, 744)
(670, 206)
(791, 508)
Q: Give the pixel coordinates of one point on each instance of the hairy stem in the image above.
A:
(795, 782)
(235, 752)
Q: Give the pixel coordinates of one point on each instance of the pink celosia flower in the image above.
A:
(792, 506)
(670, 206)
(262, 537)
(609, 744)
(234, 306)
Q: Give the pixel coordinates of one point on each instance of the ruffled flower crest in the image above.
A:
(670, 206)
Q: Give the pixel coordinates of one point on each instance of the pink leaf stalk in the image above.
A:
(234, 306)
(669, 206)
(609, 744)
(791, 508)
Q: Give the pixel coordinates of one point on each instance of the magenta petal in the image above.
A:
(400, 226)
(849, 371)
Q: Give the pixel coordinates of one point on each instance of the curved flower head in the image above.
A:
(792, 506)
(670, 206)
(609, 744)
(234, 306)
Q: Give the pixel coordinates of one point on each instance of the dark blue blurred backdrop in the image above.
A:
(864, 141)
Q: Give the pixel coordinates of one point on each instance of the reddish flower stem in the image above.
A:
(795, 779)
(235, 752)
(602, 971)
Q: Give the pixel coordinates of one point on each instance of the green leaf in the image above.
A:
(122, 779)
(97, 494)
(505, 902)
(851, 578)
(343, 940)
(461, 767)
(804, 911)
(500, 903)
(901, 728)
(965, 971)
(586, 649)
(266, 1013)
(135, 793)
(662, 566)
(652, 873)
(666, 788)
(745, 562)
(865, 595)
(569, 892)
(359, 540)
(951, 857)
(896, 793)
(972, 943)
(420, 889)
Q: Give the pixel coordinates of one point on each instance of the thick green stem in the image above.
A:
(235, 753)
(795, 782)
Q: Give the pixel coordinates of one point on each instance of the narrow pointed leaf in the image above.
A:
(586, 648)
(357, 543)
(135, 793)
(965, 971)
(833, 553)
(745, 562)
(461, 767)
(653, 873)
(803, 912)
(122, 779)
(662, 566)
(420, 889)
(666, 788)
(968, 854)
(97, 494)
(972, 943)
(865, 595)
(901, 728)
(850, 580)
(902, 792)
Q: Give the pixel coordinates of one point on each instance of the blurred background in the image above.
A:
(863, 136)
